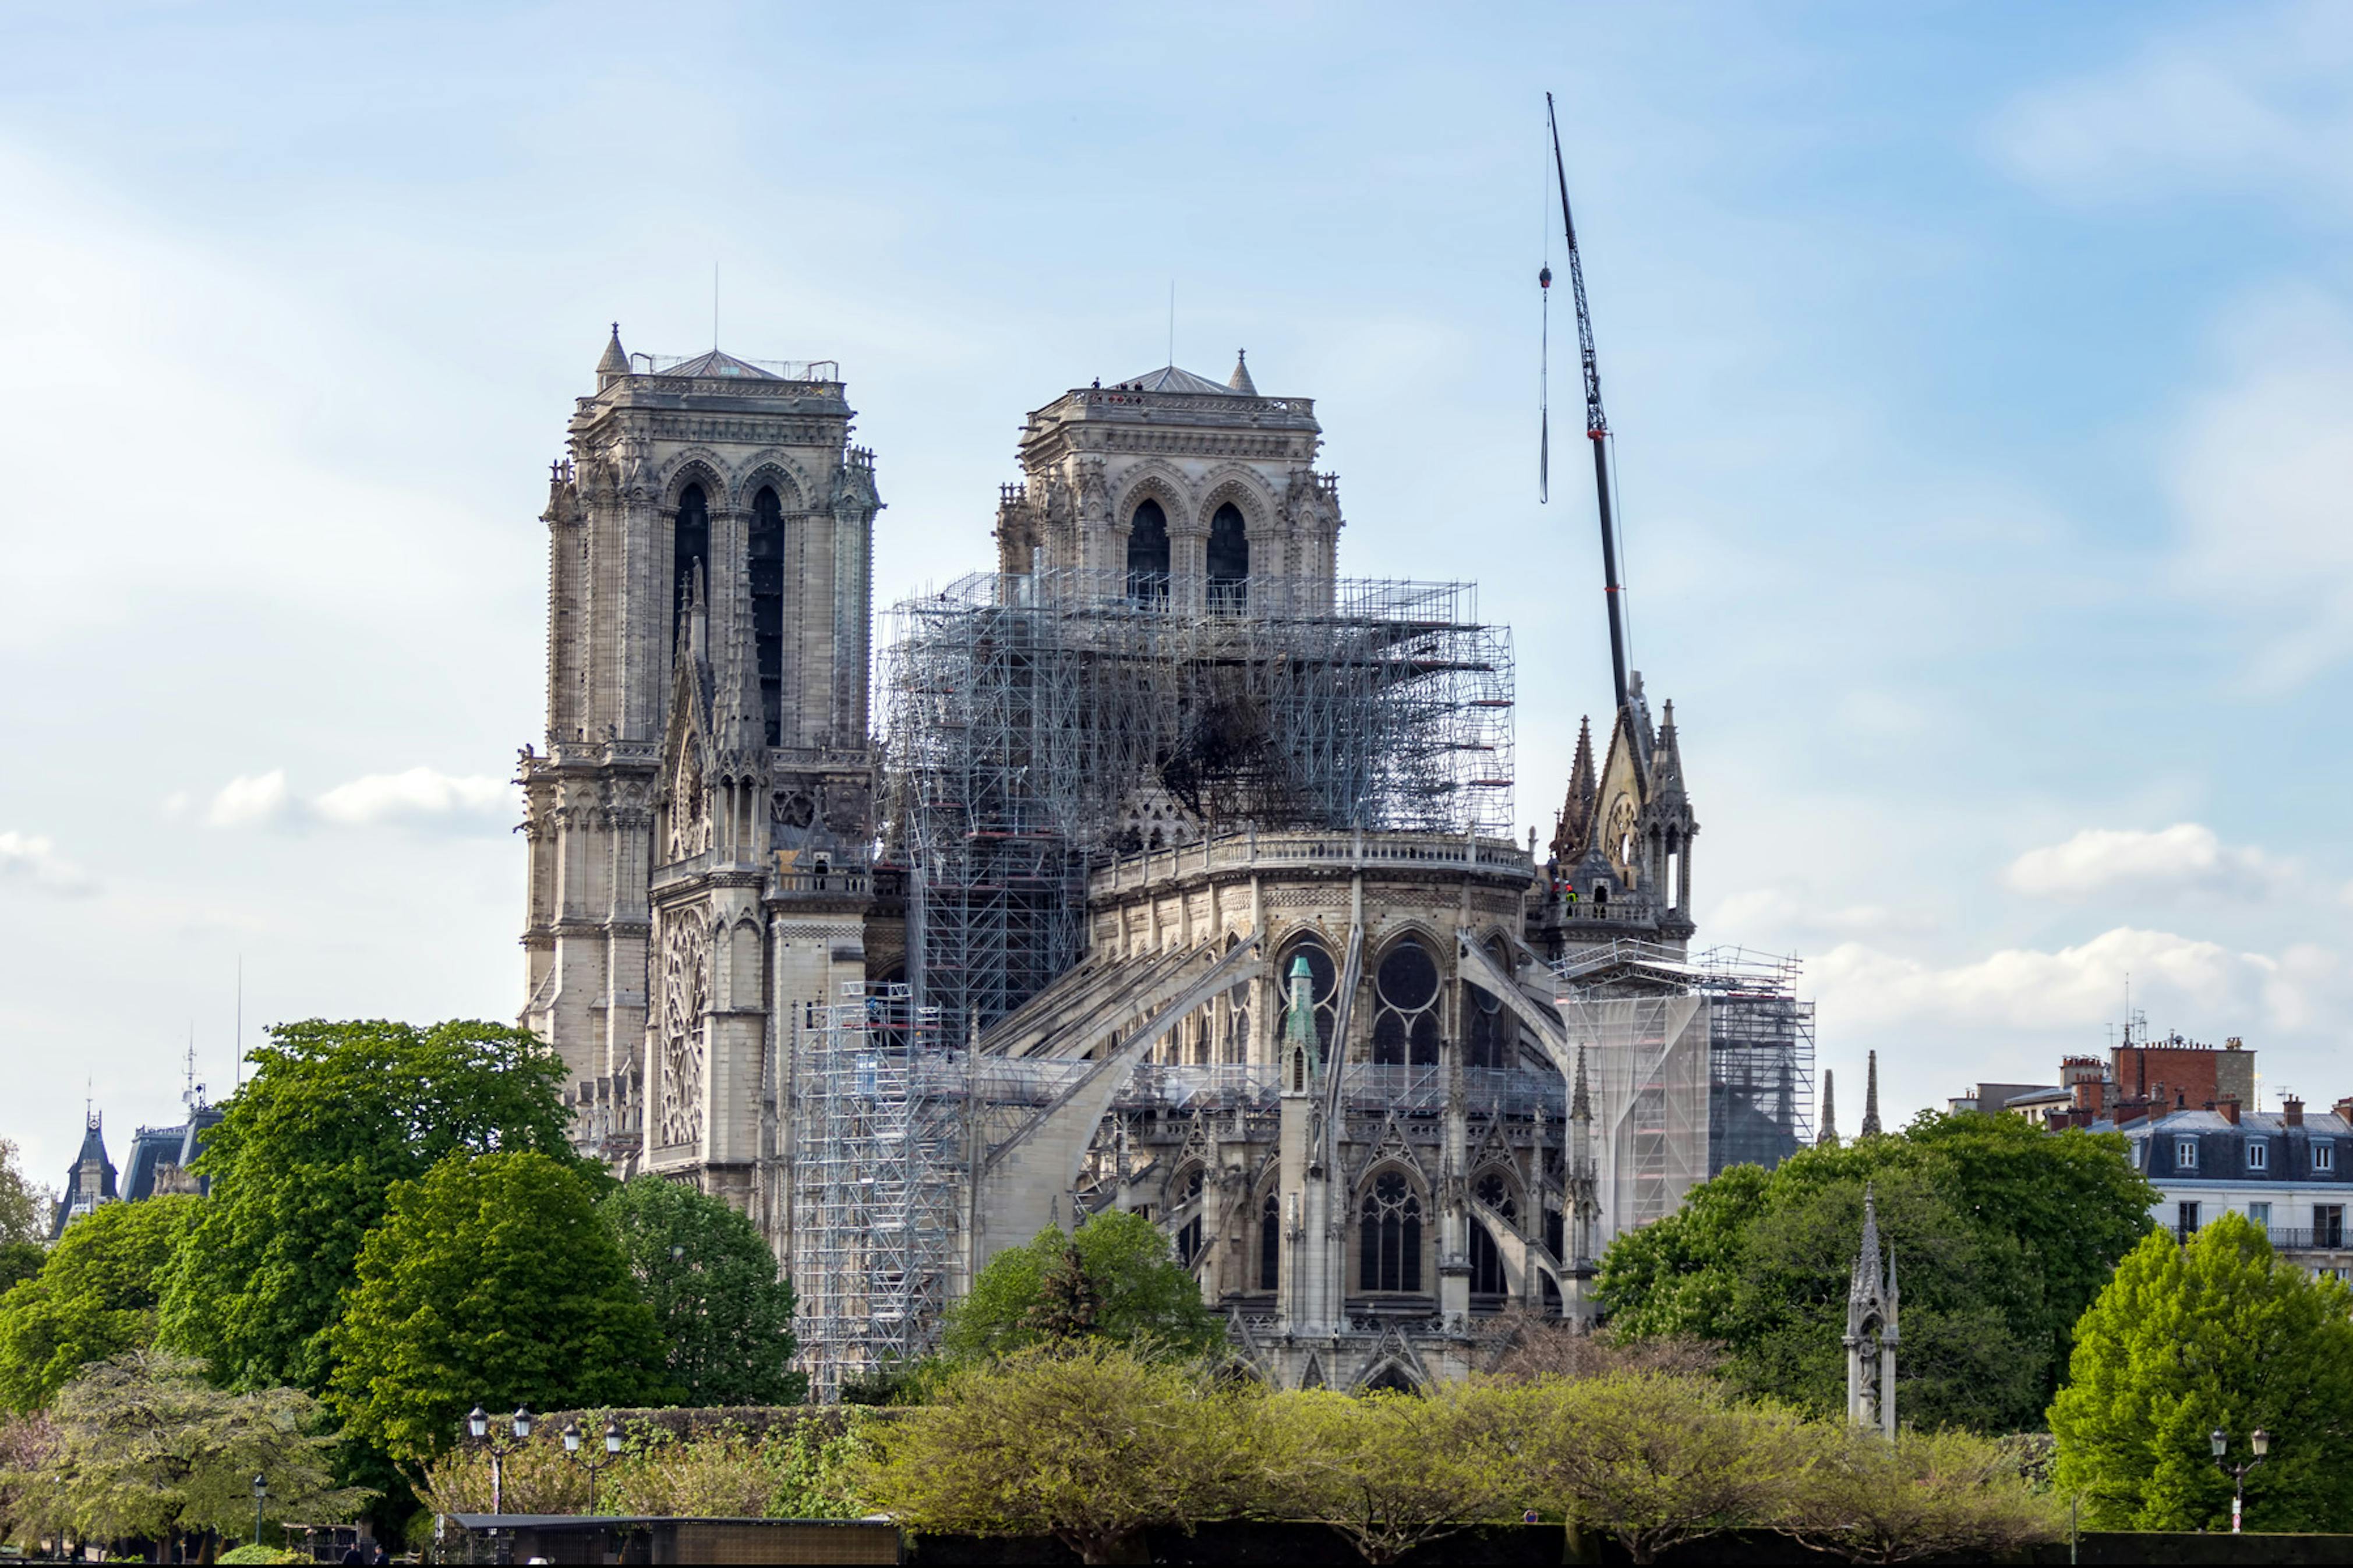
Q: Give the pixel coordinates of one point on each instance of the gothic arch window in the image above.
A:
(1494, 1190)
(1486, 1263)
(1228, 560)
(1486, 1040)
(1269, 1243)
(1405, 1023)
(1236, 1011)
(767, 590)
(1322, 986)
(1389, 1243)
(1147, 553)
(689, 552)
(1190, 1190)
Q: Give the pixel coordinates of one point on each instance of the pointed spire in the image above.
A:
(742, 724)
(616, 360)
(1827, 1138)
(1667, 758)
(1299, 1012)
(1581, 1103)
(1240, 380)
(1577, 810)
(1869, 1128)
(1864, 1285)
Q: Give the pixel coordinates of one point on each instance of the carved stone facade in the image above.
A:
(706, 791)
(1365, 1147)
(1333, 1069)
(1200, 491)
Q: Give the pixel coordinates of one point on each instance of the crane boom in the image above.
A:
(1597, 424)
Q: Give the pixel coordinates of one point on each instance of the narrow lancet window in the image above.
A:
(767, 585)
(1228, 560)
(689, 552)
(1147, 554)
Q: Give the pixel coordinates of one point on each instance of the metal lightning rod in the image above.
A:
(1597, 424)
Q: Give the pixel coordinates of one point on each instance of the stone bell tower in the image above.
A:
(710, 533)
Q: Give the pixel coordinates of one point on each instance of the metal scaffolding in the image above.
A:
(1038, 721)
(1699, 1063)
(1760, 1058)
(878, 1182)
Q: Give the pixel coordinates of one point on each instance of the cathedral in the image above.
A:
(1165, 870)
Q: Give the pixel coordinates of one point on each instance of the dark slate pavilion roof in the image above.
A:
(718, 363)
(1168, 378)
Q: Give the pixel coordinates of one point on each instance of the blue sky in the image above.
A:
(1983, 374)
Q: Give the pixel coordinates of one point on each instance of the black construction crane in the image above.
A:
(1597, 424)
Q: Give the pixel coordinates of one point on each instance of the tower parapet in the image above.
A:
(1192, 488)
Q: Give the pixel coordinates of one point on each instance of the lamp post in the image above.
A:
(260, 1496)
(2261, 1442)
(478, 1425)
(612, 1453)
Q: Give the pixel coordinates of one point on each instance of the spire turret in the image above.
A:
(1872, 1335)
(1240, 380)
(1869, 1128)
(1827, 1137)
(1569, 839)
(615, 360)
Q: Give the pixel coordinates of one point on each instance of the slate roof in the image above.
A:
(1169, 378)
(718, 363)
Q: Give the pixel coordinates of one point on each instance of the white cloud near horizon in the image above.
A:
(33, 858)
(2187, 858)
(2023, 988)
(420, 797)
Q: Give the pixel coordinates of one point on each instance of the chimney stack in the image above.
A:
(2229, 1106)
(2344, 1108)
(2291, 1111)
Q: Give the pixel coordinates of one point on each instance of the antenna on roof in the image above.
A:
(1171, 323)
(714, 304)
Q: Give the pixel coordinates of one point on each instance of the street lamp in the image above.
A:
(2261, 1442)
(612, 1453)
(477, 1426)
(261, 1495)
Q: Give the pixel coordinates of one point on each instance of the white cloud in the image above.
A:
(2022, 988)
(2185, 857)
(251, 802)
(2260, 99)
(419, 795)
(33, 858)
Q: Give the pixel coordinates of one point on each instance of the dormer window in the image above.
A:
(2324, 1155)
(2259, 1154)
(2185, 1153)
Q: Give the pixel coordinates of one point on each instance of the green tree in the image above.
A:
(1390, 1471)
(1953, 1496)
(1989, 1260)
(145, 1445)
(725, 1316)
(24, 1207)
(95, 1297)
(2186, 1339)
(2072, 1201)
(1656, 1461)
(1114, 1277)
(332, 1117)
(1089, 1443)
(491, 1279)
